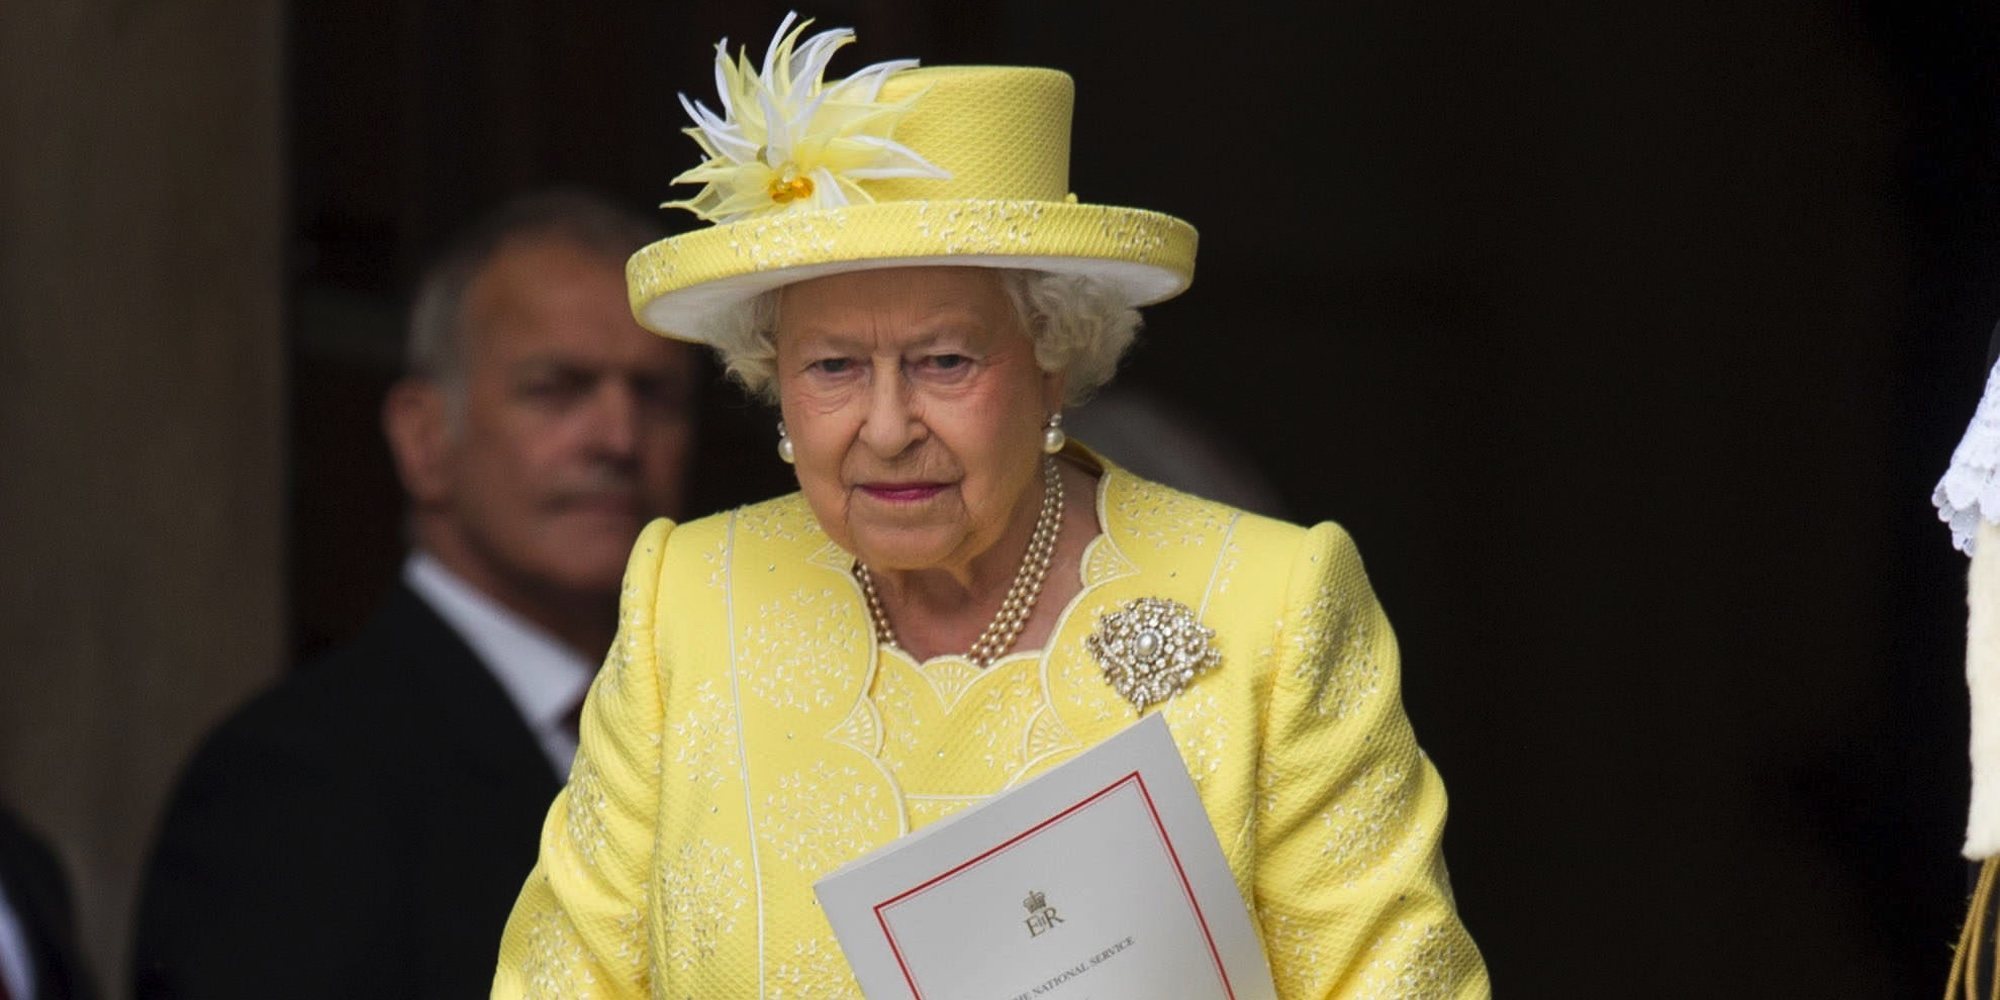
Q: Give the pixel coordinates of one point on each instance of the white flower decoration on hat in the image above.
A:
(787, 140)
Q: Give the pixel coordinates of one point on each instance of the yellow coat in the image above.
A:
(746, 737)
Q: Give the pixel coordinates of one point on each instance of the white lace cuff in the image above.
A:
(1970, 489)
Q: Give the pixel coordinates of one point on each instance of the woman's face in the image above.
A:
(915, 410)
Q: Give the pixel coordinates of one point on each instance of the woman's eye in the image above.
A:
(832, 366)
(947, 362)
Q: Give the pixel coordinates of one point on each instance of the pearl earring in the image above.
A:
(1053, 437)
(785, 453)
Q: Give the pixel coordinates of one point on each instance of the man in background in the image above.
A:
(362, 829)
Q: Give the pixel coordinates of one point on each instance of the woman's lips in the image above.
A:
(902, 492)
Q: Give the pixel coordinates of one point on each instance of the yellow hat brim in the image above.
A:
(682, 286)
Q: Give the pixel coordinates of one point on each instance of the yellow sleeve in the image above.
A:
(580, 925)
(1351, 892)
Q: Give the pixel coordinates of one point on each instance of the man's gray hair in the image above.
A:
(1080, 327)
(437, 341)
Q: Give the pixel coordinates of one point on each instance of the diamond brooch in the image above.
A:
(1150, 648)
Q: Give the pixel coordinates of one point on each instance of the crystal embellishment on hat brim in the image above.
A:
(1151, 648)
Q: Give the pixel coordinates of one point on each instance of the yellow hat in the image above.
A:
(890, 167)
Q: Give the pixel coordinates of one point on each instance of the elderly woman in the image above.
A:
(898, 264)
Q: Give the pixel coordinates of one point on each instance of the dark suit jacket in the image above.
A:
(39, 895)
(361, 830)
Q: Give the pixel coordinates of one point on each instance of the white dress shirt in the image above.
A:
(543, 677)
(17, 967)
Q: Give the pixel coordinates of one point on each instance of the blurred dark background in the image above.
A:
(1628, 340)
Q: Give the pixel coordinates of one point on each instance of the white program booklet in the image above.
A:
(1100, 880)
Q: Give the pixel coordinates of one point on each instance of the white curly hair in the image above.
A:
(1079, 326)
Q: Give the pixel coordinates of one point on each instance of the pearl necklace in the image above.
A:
(1021, 596)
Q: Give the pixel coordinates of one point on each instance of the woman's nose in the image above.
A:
(891, 424)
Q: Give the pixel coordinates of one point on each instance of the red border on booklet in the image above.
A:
(1158, 827)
